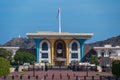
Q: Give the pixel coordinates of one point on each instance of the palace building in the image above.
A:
(108, 51)
(59, 48)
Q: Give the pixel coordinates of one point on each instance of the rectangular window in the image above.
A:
(44, 55)
(74, 55)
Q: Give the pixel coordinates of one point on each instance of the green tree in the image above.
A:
(5, 54)
(94, 60)
(22, 57)
(4, 66)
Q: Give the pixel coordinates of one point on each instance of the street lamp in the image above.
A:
(33, 68)
(87, 68)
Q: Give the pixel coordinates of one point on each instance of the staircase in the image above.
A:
(59, 68)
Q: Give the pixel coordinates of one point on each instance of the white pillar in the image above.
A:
(106, 53)
(14, 52)
(98, 53)
(69, 55)
(49, 55)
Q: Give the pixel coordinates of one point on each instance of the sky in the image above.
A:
(100, 17)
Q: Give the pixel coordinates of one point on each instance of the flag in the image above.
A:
(58, 14)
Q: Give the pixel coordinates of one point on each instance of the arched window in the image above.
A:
(45, 50)
(44, 46)
(74, 50)
(74, 46)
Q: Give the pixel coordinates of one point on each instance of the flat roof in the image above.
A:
(9, 47)
(59, 35)
(107, 47)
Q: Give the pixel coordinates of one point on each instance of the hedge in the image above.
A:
(116, 68)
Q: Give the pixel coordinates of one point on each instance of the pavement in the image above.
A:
(56, 75)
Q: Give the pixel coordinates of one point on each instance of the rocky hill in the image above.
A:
(25, 43)
(114, 41)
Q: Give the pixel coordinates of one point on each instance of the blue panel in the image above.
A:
(74, 55)
(44, 55)
(37, 48)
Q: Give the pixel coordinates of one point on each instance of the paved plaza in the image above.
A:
(57, 74)
(63, 72)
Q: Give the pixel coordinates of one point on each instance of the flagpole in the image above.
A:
(59, 22)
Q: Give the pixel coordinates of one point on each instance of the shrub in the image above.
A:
(94, 60)
(22, 57)
(4, 66)
(116, 68)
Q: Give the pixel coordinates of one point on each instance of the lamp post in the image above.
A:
(87, 68)
(33, 68)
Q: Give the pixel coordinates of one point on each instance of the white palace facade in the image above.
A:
(108, 51)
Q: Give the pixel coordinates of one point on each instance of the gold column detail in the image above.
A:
(52, 51)
(67, 51)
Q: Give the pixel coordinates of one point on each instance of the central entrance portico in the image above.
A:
(60, 52)
(59, 48)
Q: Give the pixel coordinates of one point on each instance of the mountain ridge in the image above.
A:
(114, 41)
(30, 43)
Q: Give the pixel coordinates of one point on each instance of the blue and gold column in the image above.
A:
(81, 41)
(37, 41)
